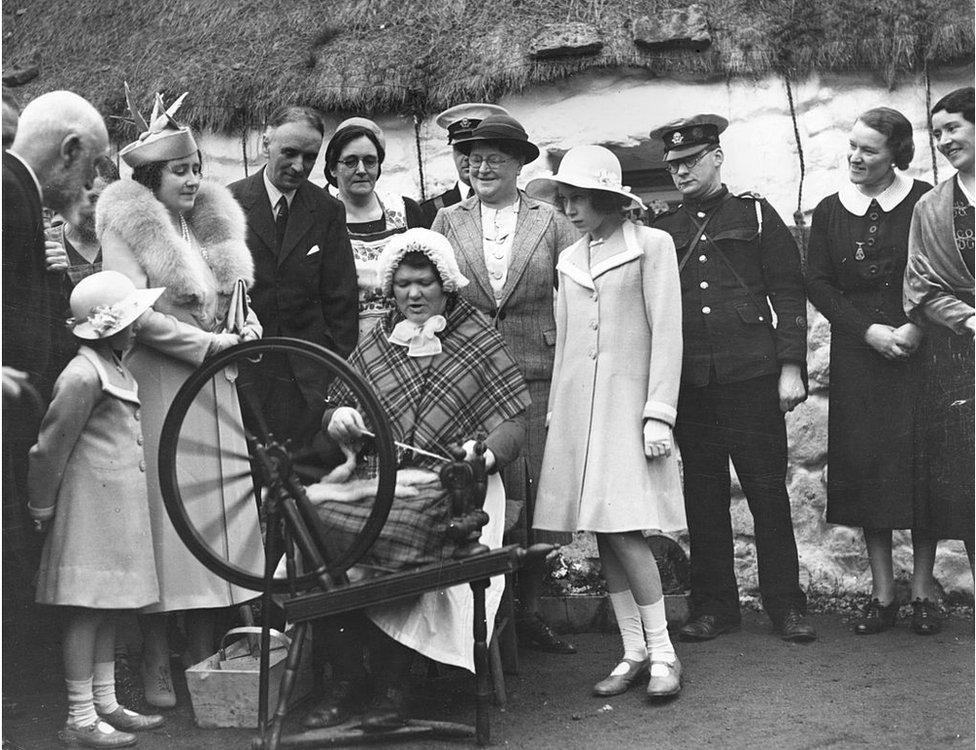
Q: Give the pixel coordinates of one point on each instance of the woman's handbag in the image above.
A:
(224, 687)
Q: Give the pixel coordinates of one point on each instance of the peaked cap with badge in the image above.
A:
(690, 135)
(460, 120)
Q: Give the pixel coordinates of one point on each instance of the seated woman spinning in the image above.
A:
(440, 371)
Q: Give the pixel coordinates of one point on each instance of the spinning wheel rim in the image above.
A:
(168, 454)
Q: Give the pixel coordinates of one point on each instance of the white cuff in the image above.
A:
(41, 514)
(660, 411)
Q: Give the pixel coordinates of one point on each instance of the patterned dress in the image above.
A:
(368, 238)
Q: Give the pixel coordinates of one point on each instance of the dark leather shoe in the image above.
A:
(706, 627)
(339, 707)
(386, 713)
(535, 633)
(926, 617)
(795, 627)
(876, 617)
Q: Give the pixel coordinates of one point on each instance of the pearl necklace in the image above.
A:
(185, 230)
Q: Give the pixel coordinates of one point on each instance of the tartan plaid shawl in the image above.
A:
(472, 386)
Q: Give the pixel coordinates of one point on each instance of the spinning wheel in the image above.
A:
(238, 503)
(215, 493)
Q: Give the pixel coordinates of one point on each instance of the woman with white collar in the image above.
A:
(856, 259)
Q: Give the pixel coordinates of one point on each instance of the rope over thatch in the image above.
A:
(240, 59)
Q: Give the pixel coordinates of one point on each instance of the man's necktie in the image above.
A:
(281, 222)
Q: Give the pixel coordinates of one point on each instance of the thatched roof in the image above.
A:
(242, 58)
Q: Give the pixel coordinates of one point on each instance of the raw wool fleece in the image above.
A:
(131, 210)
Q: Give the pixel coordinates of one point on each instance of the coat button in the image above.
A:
(703, 238)
(135, 415)
(706, 310)
(594, 325)
(872, 229)
(704, 285)
(592, 353)
(142, 466)
(594, 296)
(701, 214)
(502, 315)
(139, 440)
(702, 258)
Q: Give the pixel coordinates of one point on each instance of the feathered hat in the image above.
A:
(162, 138)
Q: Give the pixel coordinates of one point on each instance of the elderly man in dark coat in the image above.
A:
(52, 163)
(305, 276)
(740, 374)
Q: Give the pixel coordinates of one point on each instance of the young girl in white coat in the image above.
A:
(87, 482)
(608, 465)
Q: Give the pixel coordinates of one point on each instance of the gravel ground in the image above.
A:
(743, 690)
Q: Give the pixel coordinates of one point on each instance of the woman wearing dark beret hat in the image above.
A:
(507, 243)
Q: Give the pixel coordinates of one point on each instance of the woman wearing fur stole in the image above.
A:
(165, 227)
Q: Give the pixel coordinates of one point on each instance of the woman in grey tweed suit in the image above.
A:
(507, 244)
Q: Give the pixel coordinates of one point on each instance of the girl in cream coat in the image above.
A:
(608, 466)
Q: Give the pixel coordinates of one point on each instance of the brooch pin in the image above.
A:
(859, 253)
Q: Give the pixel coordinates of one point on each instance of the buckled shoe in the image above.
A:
(615, 684)
(667, 681)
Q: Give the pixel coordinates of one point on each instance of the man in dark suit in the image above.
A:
(459, 122)
(305, 276)
(740, 375)
(52, 164)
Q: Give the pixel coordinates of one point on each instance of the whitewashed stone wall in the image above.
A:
(620, 108)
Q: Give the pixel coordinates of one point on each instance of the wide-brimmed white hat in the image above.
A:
(588, 168)
(435, 246)
(106, 302)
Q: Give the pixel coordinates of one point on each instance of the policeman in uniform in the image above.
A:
(743, 369)
(459, 122)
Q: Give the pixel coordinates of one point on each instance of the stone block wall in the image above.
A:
(620, 107)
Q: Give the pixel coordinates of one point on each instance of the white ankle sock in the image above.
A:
(629, 621)
(81, 706)
(103, 687)
(655, 624)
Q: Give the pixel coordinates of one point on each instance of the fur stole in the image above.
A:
(130, 210)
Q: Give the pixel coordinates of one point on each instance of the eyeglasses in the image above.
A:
(494, 161)
(689, 162)
(351, 162)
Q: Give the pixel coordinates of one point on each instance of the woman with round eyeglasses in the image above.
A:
(353, 161)
(507, 243)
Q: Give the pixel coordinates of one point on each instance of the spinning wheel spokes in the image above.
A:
(210, 490)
